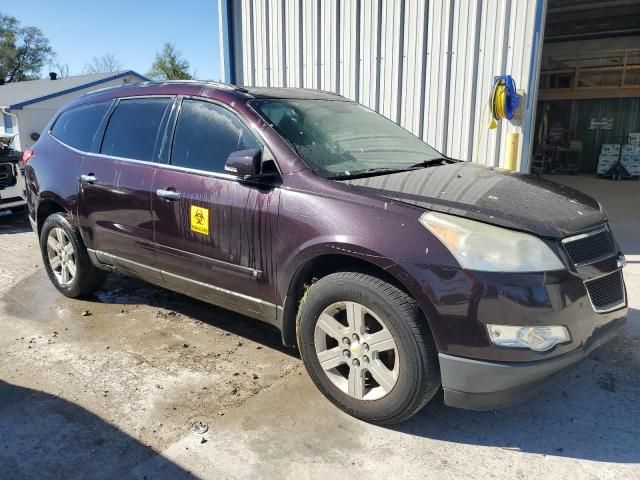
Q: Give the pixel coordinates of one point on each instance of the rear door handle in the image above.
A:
(88, 178)
(168, 194)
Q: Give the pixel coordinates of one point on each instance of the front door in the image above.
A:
(115, 187)
(214, 235)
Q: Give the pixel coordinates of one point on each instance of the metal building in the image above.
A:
(427, 65)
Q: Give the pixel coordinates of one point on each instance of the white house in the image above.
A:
(27, 106)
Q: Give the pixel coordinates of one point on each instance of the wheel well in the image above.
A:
(46, 208)
(313, 271)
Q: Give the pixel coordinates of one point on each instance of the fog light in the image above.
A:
(539, 339)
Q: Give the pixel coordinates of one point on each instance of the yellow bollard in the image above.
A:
(511, 154)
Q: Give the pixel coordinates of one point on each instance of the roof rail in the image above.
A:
(150, 83)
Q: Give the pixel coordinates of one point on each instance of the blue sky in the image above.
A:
(132, 30)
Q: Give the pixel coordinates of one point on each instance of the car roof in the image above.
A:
(211, 89)
(297, 93)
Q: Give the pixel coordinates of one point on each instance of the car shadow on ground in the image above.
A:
(45, 436)
(11, 222)
(591, 412)
(123, 290)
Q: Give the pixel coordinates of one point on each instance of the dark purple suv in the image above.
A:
(393, 269)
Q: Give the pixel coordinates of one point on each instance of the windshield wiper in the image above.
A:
(431, 162)
(369, 172)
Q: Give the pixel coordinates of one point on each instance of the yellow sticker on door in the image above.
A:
(199, 220)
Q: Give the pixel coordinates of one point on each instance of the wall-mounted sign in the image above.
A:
(601, 123)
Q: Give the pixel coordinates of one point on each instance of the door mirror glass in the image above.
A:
(244, 163)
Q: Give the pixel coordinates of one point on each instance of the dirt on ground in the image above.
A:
(143, 358)
(139, 382)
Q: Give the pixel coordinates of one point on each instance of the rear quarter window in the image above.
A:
(77, 127)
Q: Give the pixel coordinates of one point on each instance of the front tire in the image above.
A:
(66, 259)
(367, 347)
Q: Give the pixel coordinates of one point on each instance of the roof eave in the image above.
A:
(21, 105)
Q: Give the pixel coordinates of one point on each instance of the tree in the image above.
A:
(61, 69)
(106, 63)
(169, 65)
(23, 50)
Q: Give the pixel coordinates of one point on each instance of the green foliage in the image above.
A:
(23, 50)
(169, 65)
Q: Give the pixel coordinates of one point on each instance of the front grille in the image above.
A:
(607, 292)
(590, 247)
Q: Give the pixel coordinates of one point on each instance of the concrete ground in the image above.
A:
(122, 386)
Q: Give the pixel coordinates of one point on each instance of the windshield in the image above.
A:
(342, 139)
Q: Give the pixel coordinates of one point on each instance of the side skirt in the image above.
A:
(221, 297)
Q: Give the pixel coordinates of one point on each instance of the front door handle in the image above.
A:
(88, 178)
(168, 194)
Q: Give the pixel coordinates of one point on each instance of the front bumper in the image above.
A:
(483, 385)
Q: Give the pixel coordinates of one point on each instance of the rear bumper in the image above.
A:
(482, 385)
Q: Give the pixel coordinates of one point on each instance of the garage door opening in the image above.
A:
(588, 112)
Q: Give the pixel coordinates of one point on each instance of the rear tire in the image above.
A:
(385, 368)
(66, 259)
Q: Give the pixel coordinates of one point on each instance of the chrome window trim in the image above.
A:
(596, 231)
(221, 176)
(133, 97)
(612, 306)
(100, 253)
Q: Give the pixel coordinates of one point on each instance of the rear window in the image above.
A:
(78, 126)
(134, 128)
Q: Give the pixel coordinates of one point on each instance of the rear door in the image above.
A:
(215, 234)
(116, 182)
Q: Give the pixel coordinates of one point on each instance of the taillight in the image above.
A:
(27, 155)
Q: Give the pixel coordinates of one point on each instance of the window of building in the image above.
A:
(8, 123)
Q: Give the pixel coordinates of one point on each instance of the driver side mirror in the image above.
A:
(249, 165)
(244, 163)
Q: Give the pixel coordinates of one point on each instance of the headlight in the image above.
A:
(479, 246)
(539, 339)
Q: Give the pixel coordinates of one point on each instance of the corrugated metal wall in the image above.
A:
(428, 65)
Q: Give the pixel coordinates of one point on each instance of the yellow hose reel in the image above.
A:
(504, 99)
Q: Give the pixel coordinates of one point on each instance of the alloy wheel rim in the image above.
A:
(356, 351)
(61, 255)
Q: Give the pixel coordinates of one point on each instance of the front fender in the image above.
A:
(294, 261)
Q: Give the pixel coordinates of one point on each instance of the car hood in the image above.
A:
(490, 195)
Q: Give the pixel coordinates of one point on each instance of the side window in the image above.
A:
(78, 126)
(134, 128)
(205, 136)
